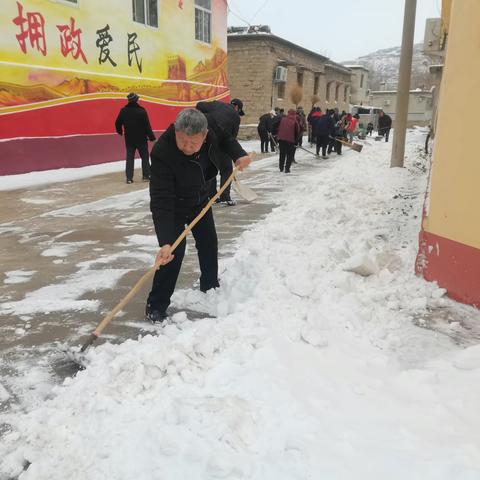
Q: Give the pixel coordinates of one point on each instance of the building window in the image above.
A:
(203, 20)
(327, 93)
(146, 12)
(300, 78)
(337, 89)
(281, 90)
(361, 81)
(345, 94)
(316, 84)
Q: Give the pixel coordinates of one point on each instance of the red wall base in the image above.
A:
(454, 266)
(35, 154)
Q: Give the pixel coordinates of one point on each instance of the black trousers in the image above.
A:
(287, 155)
(334, 145)
(272, 142)
(322, 141)
(384, 132)
(206, 244)
(223, 178)
(264, 140)
(143, 151)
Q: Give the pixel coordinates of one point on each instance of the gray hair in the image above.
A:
(191, 122)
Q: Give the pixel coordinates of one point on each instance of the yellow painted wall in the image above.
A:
(175, 36)
(454, 208)
(446, 9)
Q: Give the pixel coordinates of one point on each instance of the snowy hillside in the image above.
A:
(383, 65)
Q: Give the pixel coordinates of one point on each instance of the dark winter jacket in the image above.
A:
(276, 124)
(224, 115)
(384, 122)
(265, 123)
(133, 122)
(324, 126)
(179, 184)
(289, 129)
(313, 118)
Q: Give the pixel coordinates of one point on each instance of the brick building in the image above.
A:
(263, 68)
(360, 84)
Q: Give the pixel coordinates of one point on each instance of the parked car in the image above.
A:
(367, 114)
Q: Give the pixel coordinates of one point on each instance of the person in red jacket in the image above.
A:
(288, 136)
(352, 123)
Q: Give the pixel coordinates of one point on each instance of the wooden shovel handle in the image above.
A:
(134, 290)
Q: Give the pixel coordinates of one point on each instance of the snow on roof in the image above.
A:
(356, 66)
(374, 92)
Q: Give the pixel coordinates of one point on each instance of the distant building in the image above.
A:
(360, 84)
(263, 68)
(434, 47)
(419, 105)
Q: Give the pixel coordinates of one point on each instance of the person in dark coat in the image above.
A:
(384, 124)
(227, 117)
(340, 134)
(288, 133)
(312, 119)
(133, 123)
(369, 128)
(264, 129)
(185, 163)
(323, 129)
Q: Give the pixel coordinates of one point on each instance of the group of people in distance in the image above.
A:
(326, 130)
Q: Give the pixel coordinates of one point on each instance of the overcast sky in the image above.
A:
(340, 29)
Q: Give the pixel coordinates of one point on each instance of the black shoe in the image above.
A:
(129, 180)
(217, 200)
(146, 179)
(230, 203)
(155, 316)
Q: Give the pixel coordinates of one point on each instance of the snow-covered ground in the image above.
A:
(307, 370)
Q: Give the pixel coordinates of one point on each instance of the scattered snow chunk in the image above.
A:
(468, 359)
(361, 264)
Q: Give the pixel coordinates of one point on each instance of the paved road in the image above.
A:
(70, 251)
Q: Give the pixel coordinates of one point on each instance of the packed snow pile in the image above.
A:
(306, 370)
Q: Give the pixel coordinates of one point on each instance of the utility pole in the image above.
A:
(403, 92)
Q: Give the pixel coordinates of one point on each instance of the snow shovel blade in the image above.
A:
(75, 356)
(243, 191)
(357, 147)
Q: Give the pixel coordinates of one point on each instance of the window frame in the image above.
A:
(281, 86)
(205, 11)
(75, 4)
(316, 84)
(147, 12)
(300, 78)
